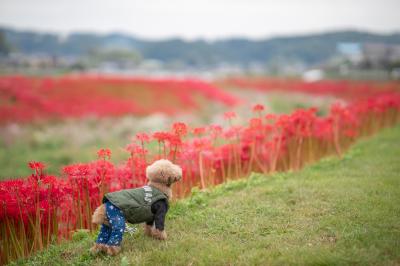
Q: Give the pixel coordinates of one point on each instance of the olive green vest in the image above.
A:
(136, 203)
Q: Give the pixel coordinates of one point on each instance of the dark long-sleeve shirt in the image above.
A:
(159, 209)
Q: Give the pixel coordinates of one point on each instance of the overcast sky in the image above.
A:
(212, 19)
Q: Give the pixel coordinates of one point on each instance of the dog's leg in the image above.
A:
(158, 234)
(148, 230)
(113, 250)
(97, 248)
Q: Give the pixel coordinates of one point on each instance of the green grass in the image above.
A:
(336, 212)
(54, 153)
(282, 104)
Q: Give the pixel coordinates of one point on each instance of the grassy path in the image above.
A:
(338, 211)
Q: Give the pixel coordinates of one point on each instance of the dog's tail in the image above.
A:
(99, 215)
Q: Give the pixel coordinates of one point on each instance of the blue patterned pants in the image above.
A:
(112, 235)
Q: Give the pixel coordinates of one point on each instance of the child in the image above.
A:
(148, 204)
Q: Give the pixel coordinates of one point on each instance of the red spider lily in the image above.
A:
(258, 108)
(199, 131)
(37, 166)
(350, 133)
(35, 98)
(216, 129)
(229, 115)
(348, 90)
(135, 149)
(256, 123)
(180, 129)
(270, 117)
(77, 170)
(104, 153)
(161, 136)
(232, 132)
(174, 140)
(143, 137)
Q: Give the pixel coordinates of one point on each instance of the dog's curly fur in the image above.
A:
(161, 175)
(112, 250)
(154, 233)
(148, 230)
(160, 235)
(99, 216)
(97, 248)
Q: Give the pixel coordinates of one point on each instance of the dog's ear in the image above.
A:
(177, 172)
(174, 173)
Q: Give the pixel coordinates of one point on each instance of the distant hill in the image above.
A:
(308, 49)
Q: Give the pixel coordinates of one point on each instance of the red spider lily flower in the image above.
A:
(77, 170)
(217, 164)
(270, 117)
(180, 128)
(142, 137)
(283, 120)
(245, 153)
(233, 132)
(37, 166)
(258, 108)
(161, 136)
(256, 123)
(229, 115)
(188, 152)
(103, 153)
(216, 130)
(133, 148)
(174, 140)
(199, 130)
(313, 110)
(337, 108)
(350, 133)
(201, 143)
(268, 128)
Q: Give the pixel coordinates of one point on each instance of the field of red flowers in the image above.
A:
(42, 209)
(343, 89)
(26, 99)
